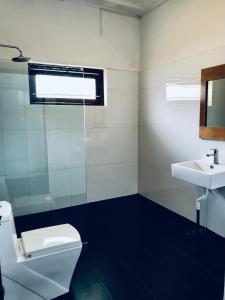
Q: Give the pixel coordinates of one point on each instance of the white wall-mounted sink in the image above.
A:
(200, 172)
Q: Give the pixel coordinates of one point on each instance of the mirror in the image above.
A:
(212, 109)
(216, 103)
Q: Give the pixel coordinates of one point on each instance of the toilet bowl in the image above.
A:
(40, 264)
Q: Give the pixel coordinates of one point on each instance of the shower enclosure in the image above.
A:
(42, 148)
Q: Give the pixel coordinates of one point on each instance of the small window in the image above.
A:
(53, 84)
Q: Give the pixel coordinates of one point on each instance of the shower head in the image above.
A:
(19, 58)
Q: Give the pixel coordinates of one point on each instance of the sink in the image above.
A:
(200, 172)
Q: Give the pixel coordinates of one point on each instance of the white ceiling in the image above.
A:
(134, 8)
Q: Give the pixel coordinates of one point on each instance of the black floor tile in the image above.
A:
(162, 247)
(117, 279)
(192, 241)
(148, 297)
(205, 287)
(93, 292)
(176, 292)
(165, 277)
(83, 275)
(95, 249)
(136, 257)
(161, 283)
(211, 257)
(219, 273)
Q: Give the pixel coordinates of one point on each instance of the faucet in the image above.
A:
(215, 156)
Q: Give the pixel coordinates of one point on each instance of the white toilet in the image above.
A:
(40, 265)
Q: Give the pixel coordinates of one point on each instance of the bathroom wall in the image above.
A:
(112, 140)
(63, 32)
(177, 41)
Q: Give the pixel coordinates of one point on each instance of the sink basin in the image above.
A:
(200, 172)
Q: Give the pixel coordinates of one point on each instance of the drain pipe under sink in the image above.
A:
(198, 206)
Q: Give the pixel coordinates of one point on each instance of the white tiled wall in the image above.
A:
(177, 41)
(71, 33)
(112, 139)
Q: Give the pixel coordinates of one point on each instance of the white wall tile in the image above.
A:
(37, 150)
(88, 180)
(2, 163)
(130, 178)
(114, 181)
(15, 144)
(130, 144)
(122, 108)
(122, 80)
(78, 199)
(12, 109)
(97, 183)
(39, 183)
(76, 115)
(21, 206)
(95, 116)
(16, 166)
(19, 193)
(96, 146)
(78, 179)
(15, 151)
(62, 202)
(35, 118)
(18, 185)
(115, 109)
(58, 149)
(4, 195)
(121, 31)
(57, 117)
(115, 143)
(89, 117)
(60, 183)
(130, 118)
(40, 203)
(77, 147)
(40, 198)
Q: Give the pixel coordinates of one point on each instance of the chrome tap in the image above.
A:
(215, 156)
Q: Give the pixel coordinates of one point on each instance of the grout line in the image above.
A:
(149, 292)
(176, 60)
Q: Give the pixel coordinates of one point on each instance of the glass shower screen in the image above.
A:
(42, 148)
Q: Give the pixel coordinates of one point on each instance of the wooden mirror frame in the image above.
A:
(209, 133)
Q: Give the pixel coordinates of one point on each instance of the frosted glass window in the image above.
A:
(66, 87)
(182, 92)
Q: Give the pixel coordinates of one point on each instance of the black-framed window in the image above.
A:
(65, 85)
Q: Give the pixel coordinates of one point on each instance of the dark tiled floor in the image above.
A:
(138, 250)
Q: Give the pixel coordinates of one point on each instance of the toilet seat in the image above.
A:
(47, 240)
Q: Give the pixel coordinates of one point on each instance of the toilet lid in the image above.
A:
(50, 239)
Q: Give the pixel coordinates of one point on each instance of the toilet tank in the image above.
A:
(7, 234)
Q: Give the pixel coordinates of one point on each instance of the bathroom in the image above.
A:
(104, 166)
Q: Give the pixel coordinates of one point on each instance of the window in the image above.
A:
(67, 85)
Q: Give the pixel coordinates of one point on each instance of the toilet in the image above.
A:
(40, 264)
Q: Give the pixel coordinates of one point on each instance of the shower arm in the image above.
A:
(12, 47)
